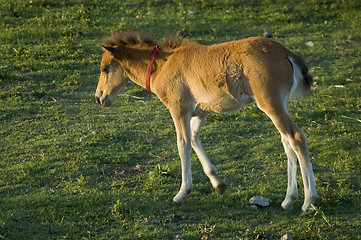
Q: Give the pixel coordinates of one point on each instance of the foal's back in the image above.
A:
(224, 77)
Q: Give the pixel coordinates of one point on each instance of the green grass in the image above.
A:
(72, 170)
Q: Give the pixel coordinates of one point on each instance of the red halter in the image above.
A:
(149, 68)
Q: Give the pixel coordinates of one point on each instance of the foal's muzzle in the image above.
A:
(102, 99)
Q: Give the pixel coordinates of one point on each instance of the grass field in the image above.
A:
(70, 169)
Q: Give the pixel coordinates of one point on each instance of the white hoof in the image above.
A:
(307, 205)
(180, 197)
(287, 204)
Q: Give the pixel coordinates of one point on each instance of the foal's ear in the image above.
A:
(112, 50)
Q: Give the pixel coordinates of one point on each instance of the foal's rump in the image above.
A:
(271, 71)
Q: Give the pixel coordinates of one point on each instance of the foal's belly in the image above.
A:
(223, 103)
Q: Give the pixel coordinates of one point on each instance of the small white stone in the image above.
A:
(309, 44)
(179, 236)
(259, 201)
(287, 236)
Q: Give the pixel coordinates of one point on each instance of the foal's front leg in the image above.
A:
(208, 168)
(182, 125)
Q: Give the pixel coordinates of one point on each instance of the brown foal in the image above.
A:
(194, 80)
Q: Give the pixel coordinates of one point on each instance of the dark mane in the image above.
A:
(132, 38)
(172, 41)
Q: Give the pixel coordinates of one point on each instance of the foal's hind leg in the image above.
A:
(208, 168)
(297, 142)
(292, 193)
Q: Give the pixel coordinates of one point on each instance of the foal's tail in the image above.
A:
(302, 81)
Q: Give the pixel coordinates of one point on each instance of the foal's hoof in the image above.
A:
(177, 203)
(180, 198)
(309, 203)
(287, 204)
(221, 187)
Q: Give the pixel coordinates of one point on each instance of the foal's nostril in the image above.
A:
(98, 95)
(97, 99)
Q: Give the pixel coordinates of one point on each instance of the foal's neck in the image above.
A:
(136, 62)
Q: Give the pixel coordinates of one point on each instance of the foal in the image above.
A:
(194, 80)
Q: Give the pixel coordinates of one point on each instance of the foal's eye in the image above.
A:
(104, 70)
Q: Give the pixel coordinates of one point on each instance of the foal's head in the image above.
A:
(112, 77)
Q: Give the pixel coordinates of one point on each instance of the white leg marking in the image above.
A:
(184, 150)
(300, 148)
(208, 168)
(182, 125)
(292, 193)
(309, 183)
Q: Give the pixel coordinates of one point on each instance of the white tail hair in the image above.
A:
(301, 80)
